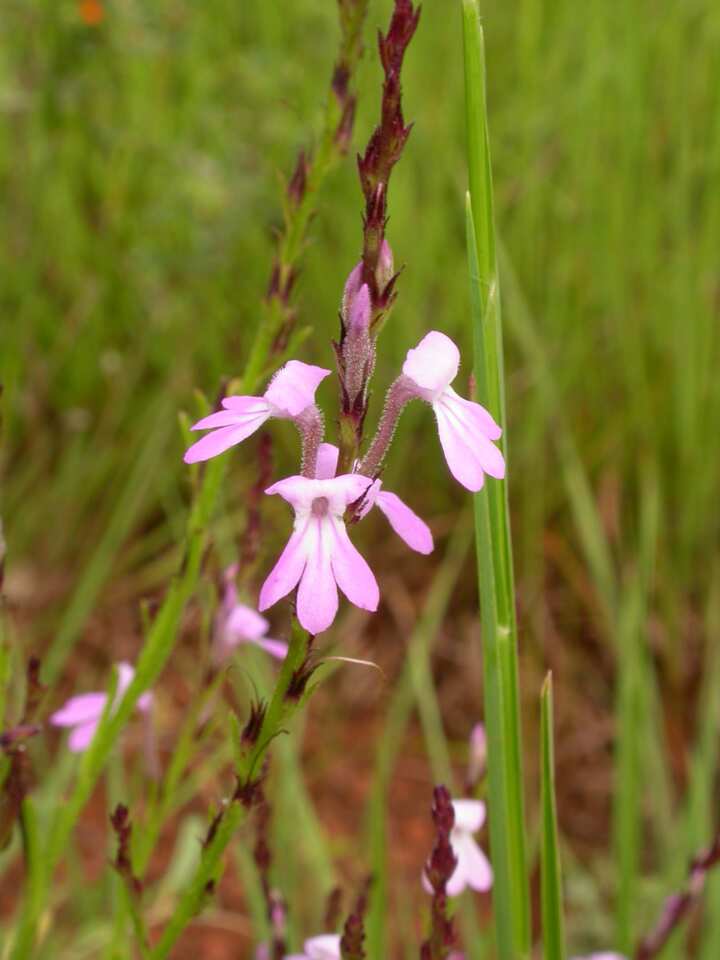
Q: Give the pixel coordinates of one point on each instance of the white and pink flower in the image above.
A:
(467, 431)
(81, 714)
(319, 557)
(289, 394)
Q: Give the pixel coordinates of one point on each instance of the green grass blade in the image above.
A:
(494, 550)
(492, 525)
(551, 879)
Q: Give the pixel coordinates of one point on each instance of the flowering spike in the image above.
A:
(352, 944)
(438, 871)
(387, 141)
(298, 182)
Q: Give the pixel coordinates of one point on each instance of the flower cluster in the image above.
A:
(336, 487)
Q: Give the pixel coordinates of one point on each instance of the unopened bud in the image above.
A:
(477, 755)
(358, 320)
(385, 266)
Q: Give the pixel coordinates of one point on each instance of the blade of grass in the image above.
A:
(551, 877)
(492, 526)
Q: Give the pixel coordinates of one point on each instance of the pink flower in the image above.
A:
(290, 392)
(406, 524)
(237, 623)
(324, 947)
(473, 867)
(319, 555)
(82, 713)
(466, 429)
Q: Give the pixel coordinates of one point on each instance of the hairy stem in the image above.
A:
(398, 396)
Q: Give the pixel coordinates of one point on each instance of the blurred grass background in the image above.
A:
(139, 168)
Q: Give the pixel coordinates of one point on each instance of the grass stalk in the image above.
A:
(492, 525)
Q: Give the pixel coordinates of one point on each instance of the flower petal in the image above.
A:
(475, 865)
(244, 623)
(406, 524)
(293, 387)
(81, 737)
(474, 415)
(287, 571)
(317, 599)
(433, 364)
(245, 406)
(468, 452)
(327, 461)
(469, 815)
(338, 491)
(297, 491)
(324, 947)
(352, 573)
(458, 881)
(84, 708)
(222, 439)
(276, 648)
(358, 320)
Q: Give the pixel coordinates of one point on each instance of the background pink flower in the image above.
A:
(82, 713)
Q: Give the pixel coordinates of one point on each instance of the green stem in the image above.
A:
(210, 868)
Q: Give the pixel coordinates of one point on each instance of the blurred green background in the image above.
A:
(140, 171)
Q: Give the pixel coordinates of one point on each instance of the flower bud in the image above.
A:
(477, 755)
(385, 267)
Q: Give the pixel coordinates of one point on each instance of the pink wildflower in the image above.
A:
(289, 394)
(405, 522)
(319, 555)
(82, 713)
(324, 947)
(237, 623)
(466, 429)
(473, 867)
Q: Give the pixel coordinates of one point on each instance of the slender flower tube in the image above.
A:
(473, 867)
(290, 396)
(237, 623)
(466, 429)
(324, 947)
(83, 712)
(404, 521)
(319, 555)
